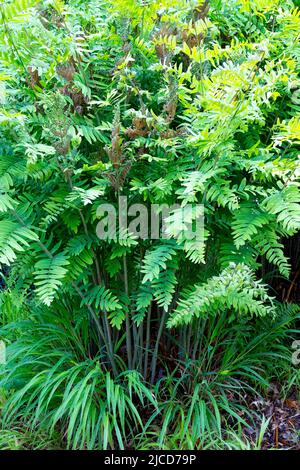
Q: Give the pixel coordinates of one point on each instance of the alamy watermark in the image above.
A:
(153, 222)
(295, 98)
(2, 353)
(296, 353)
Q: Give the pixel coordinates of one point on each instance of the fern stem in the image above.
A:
(155, 352)
(196, 338)
(188, 344)
(99, 328)
(140, 359)
(137, 347)
(78, 290)
(127, 322)
(147, 345)
(109, 338)
(135, 337)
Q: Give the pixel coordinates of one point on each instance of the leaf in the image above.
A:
(48, 274)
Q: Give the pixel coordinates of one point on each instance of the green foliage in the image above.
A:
(200, 405)
(108, 303)
(155, 261)
(13, 239)
(235, 290)
(68, 389)
(164, 102)
(49, 273)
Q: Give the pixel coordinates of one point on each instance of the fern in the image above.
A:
(13, 10)
(155, 261)
(235, 289)
(105, 301)
(246, 254)
(144, 297)
(79, 263)
(49, 273)
(285, 204)
(163, 287)
(169, 103)
(246, 222)
(11, 168)
(14, 238)
(270, 247)
(6, 202)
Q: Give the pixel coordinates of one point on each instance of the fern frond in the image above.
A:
(247, 220)
(229, 253)
(49, 273)
(6, 202)
(234, 290)
(144, 298)
(86, 196)
(17, 8)
(79, 263)
(164, 286)
(285, 205)
(155, 261)
(221, 193)
(11, 168)
(268, 245)
(103, 299)
(14, 238)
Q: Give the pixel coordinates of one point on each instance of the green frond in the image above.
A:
(247, 221)
(144, 297)
(155, 261)
(285, 205)
(234, 290)
(269, 246)
(106, 302)
(79, 263)
(164, 286)
(229, 253)
(49, 274)
(6, 202)
(17, 8)
(11, 168)
(14, 238)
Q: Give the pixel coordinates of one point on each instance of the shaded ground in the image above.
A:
(283, 431)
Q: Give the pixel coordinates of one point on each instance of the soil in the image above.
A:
(283, 431)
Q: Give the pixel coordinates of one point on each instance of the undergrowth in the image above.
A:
(131, 340)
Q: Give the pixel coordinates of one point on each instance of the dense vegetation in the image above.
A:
(140, 343)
